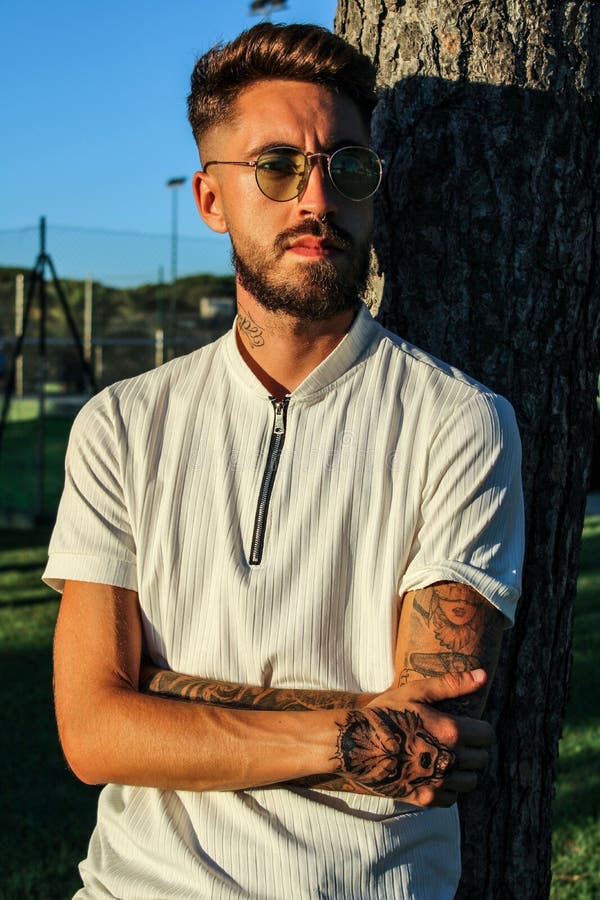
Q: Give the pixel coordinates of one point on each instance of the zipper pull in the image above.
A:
(280, 408)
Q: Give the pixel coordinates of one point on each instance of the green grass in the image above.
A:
(576, 835)
(46, 815)
(18, 462)
(27, 408)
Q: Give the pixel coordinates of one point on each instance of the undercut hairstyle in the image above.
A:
(293, 52)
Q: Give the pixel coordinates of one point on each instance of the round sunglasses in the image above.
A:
(282, 173)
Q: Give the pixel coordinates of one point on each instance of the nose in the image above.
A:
(319, 197)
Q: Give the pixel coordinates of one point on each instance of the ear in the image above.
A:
(208, 200)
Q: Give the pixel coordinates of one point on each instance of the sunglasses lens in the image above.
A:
(280, 173)
(356, 172)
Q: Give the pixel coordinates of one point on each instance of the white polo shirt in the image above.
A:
(270, 546)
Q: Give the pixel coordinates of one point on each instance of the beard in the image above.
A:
(315, 291)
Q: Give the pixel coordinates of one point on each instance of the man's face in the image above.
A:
(308, 256)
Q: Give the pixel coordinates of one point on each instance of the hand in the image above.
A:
(400, 746)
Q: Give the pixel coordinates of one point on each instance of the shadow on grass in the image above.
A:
(583, 710)
(33, 600)
(577, 801)
(18, 462)
(578, 795)
(27, 566)
(46, 815)
(26, 539)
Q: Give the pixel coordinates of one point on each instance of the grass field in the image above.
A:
(18, 457)
(46, 816)
(576, 835)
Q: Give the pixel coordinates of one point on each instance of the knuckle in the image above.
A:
(427, 797)
(451, 733)
(454, 681)
(470, 782)
(487, 734)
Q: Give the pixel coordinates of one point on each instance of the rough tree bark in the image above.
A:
(487, 255)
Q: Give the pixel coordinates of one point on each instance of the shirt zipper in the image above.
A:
(264, 496)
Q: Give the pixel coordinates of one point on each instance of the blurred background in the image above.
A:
(97, 218)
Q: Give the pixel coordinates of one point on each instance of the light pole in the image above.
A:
(174, 184)
(266, 7)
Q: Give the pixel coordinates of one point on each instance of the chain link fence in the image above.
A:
(115, 258)
(126, 319)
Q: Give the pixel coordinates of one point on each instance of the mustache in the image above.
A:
(327, 231)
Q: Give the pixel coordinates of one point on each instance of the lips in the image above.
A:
(314, 238)
(311, 246)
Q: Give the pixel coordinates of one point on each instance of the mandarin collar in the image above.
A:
(342, 358)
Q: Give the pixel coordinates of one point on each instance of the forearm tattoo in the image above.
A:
(172, 685)
(249, 329)
(243, 696)
(391, 752)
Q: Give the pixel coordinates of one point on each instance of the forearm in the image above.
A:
(110, 731)
(232, 695)
(377, 751)
(131, 738)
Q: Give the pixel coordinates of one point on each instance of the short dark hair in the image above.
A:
(295, 52)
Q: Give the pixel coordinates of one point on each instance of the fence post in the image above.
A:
(19, 300)
(159, 347)
(98, 363)
(87, 318)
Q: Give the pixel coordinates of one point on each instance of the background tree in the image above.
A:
(487, 255)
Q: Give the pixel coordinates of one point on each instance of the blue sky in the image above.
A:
(94, 123)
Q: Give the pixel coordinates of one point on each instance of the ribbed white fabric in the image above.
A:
(397, 471)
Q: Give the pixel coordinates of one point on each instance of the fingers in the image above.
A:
(460, 782)
(460, 777)
(443, 687)
(444, 798)
(447, 792)
(473, 732)
(463, 777)
(416, 753)
(473, 760)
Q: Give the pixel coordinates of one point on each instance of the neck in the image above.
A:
(282, 350)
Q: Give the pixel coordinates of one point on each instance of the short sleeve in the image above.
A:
(471, 528)
(92, 539)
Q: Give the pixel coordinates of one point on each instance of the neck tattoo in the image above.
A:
(248, 329)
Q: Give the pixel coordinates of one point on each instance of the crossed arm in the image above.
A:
(121, 723)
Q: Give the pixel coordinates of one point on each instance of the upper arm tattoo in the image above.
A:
(449, 628)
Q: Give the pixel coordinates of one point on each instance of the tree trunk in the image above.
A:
(487, 255)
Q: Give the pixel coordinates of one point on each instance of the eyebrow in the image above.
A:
(266, 145)
(255, 151)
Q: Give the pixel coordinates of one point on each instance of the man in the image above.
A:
(309, 528)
